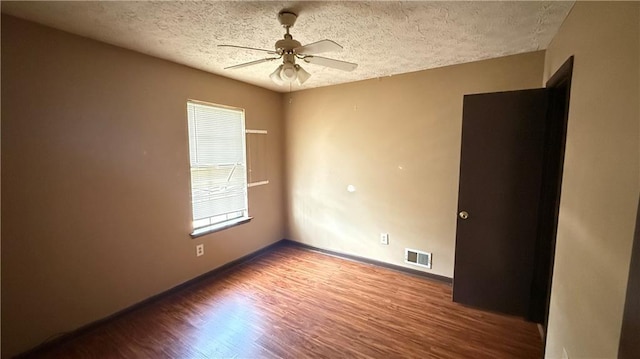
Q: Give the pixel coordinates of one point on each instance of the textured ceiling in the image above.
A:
(384, 38)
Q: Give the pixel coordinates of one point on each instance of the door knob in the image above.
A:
(463, 215)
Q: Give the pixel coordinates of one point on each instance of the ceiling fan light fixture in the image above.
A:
(303, 75)
(275, 76)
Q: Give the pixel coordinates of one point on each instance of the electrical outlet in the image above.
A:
(199, 250)
(384, 239)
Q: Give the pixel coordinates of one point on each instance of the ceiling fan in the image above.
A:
(289, 50)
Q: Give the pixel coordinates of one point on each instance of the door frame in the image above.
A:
(629, 345)
(557, 118)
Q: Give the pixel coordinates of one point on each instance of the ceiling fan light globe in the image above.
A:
(288, 72)
(303, 75)
(275, 76)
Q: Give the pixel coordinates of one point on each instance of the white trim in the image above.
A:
(219, 226)
(258, 132)
(253, 184)
(205, 103)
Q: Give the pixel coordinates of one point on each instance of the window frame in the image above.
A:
(227, 223)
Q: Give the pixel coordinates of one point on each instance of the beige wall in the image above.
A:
(601, 178)
(397, 140)
(95, 177)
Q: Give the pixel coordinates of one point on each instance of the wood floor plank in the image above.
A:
(297, 303)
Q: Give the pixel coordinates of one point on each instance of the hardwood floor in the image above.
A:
(296, 303)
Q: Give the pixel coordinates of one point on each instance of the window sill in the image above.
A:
(219, 227)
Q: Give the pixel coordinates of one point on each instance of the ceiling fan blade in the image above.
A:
(335, 64)
(318, 47)
(249, 48)
(251, 63)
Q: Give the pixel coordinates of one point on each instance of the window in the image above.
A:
(218, 166)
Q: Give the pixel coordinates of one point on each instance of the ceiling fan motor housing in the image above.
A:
(287, 44)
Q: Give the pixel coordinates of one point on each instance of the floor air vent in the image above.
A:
(418, 258)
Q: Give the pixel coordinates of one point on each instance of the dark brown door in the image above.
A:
(500, 185)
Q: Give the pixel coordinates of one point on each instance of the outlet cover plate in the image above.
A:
(384, 239)
(199, 250)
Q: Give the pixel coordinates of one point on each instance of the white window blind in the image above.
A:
(218, 163)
